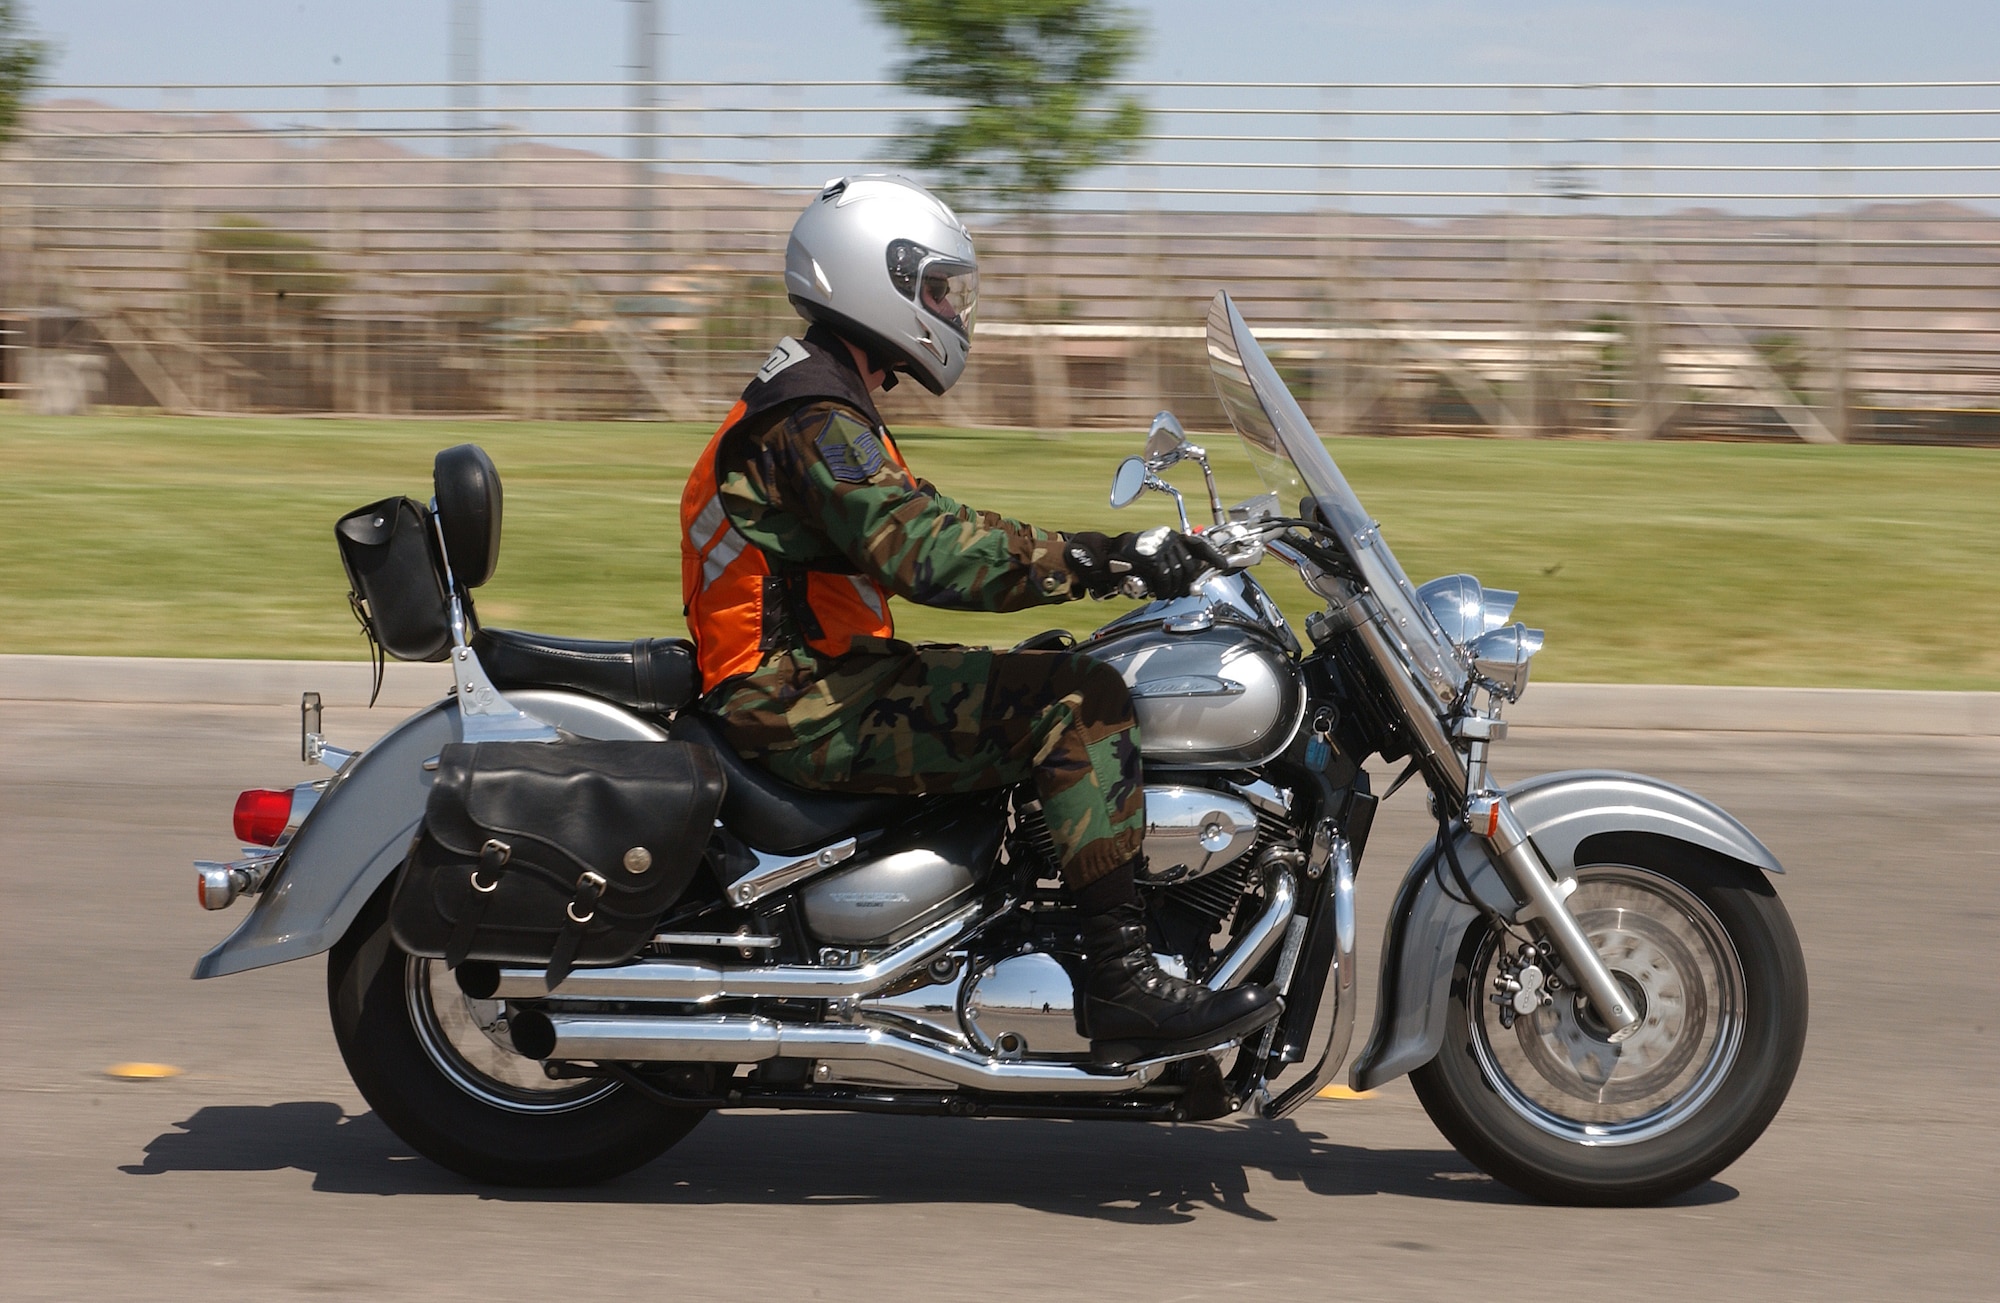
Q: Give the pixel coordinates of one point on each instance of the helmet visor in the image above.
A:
(941, 285)
(949, 291)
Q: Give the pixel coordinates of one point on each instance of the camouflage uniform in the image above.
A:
(813, 485)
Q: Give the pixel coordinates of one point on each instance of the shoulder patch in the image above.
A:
(851, 450)
(788, 353)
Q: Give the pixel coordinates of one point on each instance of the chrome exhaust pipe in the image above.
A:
(691, 981)
(1260, 938)
(594, 1038)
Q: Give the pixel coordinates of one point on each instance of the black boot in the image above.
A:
(1132, 1010)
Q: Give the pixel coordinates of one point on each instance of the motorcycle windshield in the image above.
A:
(1294, 464)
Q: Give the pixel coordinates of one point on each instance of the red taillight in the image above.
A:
(261, 816)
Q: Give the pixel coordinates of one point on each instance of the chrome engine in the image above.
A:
(1192, 831)
(1019, 1008)
(1024, 1007)
(881, 901)
(922, 984)
(919, 1012)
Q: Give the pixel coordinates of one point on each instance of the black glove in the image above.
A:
(1165, 562)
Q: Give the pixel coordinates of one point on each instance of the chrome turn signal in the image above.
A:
(216, 886)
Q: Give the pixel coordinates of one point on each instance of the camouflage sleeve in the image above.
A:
(914, 540)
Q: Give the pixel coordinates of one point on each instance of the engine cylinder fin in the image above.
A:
(1213, 896)
(1216, 896)
(1032, 829)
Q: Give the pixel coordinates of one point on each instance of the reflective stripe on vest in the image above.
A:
(723, 575)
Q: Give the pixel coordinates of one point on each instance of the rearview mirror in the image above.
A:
(1165, 442)
(1128, 481)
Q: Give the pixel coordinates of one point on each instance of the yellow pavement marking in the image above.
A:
(1346, 1092)
(142, 1071)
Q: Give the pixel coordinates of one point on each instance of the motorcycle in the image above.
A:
(1590, 981)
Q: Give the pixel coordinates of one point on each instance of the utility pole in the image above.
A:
(642, 75)
(461, 202)
(464, 76)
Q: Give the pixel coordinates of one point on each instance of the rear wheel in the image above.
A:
(1551, 1103)
(437, 1067)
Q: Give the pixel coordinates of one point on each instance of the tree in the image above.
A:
(249, 265)
(21, 60)
(1033, 77)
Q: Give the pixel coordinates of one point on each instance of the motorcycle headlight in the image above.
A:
(1464, 609)
(1500, 658)
(1475, 619)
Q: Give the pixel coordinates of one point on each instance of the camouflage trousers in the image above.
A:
(945, 719)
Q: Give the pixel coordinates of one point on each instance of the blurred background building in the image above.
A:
(1658, 260)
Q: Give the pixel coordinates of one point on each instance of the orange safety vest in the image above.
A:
(737, 601)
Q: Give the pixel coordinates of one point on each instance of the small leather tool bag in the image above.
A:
(395, 578)
(554, 853)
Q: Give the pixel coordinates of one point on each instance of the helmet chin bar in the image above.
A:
(882, 355)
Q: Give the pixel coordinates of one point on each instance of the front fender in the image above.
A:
(1563, 813)
(360, 831)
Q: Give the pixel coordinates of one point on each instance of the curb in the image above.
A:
(162, 681)
(1647, 707)
(1697, 708)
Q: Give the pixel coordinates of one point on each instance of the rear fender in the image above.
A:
(360, 831)
(1573, 818)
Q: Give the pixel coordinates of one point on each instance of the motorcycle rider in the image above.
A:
(801, 519)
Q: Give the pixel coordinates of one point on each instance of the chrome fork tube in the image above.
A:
(1522, 866)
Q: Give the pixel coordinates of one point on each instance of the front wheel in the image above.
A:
(1549, 1102)
(437, 1067)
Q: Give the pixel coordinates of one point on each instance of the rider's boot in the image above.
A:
(1133, 1010)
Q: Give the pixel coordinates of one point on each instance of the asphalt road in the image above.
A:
(259, 1174)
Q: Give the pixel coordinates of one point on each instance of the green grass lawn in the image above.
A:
(1693, 563)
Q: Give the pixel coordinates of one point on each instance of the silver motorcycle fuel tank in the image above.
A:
(1224, 697)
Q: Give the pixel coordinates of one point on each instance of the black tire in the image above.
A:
(1677, 1105)
(464, 1102)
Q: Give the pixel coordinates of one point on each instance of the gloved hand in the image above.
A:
(1164, 562)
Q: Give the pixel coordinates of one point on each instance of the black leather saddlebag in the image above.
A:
(554, 853)
(395, 578)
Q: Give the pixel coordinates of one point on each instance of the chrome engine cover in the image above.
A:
(1024, 1006)
(1194, 830)
(1225, 697)
(882, 901)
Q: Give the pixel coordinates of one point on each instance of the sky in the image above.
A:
(235, 41)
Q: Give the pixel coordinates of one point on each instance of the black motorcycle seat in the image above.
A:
(775, 816)
(654, 675)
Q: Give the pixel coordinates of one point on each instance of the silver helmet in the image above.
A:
(885, 263)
